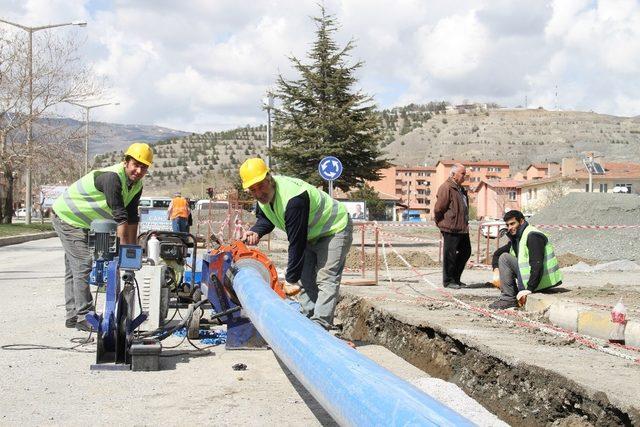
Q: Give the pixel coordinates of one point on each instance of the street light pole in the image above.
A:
(87, 108)
(269, 107)
(30, 31)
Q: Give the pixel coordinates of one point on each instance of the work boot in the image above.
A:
(452, 285)
(461, 284)
(503, 304)
(71, 322)
(84, 326)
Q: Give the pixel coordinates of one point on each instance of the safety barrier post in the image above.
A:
(488, 242)
(362, 250)
(377, 234)
(478, 250)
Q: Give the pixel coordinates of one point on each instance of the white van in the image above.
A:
(204, 204)
(154, 202)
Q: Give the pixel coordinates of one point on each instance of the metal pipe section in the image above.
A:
(353, 389)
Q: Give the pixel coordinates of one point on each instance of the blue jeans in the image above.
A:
(179, 224)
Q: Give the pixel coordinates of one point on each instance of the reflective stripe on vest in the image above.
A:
(326, 215)
(82, 202)
(551, 274)
(179, 208)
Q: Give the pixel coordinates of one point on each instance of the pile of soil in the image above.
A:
(594, 209)
(569, 259)
(418, 259)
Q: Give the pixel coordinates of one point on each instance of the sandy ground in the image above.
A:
(53, 385)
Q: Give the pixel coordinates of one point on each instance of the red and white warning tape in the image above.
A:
(526, 322)
(415, 239)
(586, 227)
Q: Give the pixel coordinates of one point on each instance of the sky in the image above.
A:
(206, 65)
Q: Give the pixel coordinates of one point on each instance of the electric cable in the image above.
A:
(78, 341)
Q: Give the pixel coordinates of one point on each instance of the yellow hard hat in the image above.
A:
(253, 171)
(141, 152)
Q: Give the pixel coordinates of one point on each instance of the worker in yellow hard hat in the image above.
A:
(107, 193)
(319, 231)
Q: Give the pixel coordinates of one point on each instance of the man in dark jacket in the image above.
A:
(527, 263)
(451, 214)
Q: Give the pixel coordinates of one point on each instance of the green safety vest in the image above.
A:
(326, 215)
(551, 274)
(82, 202)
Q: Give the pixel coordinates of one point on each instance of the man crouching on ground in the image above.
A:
(527, 263)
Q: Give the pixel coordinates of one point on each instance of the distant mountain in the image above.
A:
(414, 135)
(105, 137)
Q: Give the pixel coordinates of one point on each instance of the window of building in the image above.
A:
(512, 195)
(603, 187)
(586, 187)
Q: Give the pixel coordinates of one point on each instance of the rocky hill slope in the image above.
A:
(520, 137)
(414, 135)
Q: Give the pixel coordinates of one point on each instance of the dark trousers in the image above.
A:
(455, 254)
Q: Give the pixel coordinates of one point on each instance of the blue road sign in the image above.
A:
(330, 168)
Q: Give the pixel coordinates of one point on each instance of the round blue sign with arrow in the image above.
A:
(330, 168)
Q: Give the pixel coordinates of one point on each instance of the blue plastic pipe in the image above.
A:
(353, 389)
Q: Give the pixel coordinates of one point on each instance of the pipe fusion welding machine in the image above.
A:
(133, 319)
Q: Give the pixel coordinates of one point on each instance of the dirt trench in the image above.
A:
(520, 394)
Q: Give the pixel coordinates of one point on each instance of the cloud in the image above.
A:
(206, 65)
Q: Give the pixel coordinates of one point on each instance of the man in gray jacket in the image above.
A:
(451, 214)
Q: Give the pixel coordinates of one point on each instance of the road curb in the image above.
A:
(13, 240)
(632, 333)
(580, 318)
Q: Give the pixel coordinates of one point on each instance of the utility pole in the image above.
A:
(269, 106)
(30, 31)
(87, 108)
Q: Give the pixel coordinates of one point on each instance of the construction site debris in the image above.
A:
(569, 259)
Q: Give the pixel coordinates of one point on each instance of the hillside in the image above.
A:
(413, 136)
(518, 136)
(194, 162)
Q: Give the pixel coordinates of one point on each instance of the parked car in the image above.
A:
(621, 189)
(22, 213)
(493, 229)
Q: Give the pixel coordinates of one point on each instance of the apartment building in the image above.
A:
(411, 185)
(476, 173)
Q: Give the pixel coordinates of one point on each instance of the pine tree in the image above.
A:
(322, 115)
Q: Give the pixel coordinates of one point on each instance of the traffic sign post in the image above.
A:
(330, 169)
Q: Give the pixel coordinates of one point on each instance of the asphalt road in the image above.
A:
(47, 382)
